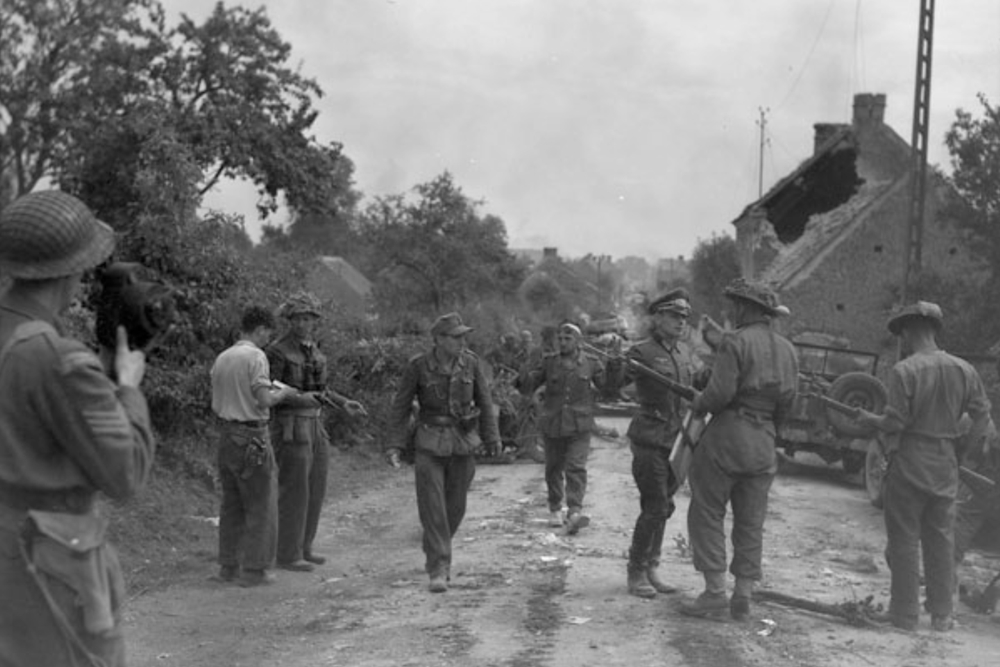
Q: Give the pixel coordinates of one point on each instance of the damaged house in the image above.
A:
(832, 236)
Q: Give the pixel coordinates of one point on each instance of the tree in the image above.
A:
(714, 263)
(436, 251)
(974, 145)
(222, 88)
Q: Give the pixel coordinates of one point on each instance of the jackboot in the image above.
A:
(712, 601)
(638, 583)
(653, 575)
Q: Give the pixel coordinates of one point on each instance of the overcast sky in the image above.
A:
(621, 127)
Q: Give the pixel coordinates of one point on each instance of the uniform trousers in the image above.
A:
(30, 636)
(917, 521)
(712, 488)
(442, 484)
(303, 463)
(566, 470)
(248, 516)
(656, 484)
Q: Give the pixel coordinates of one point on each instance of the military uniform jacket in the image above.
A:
(928, 394)
(752, 388)
(446, 400)
(660, 410)
(63, 423)
(571, 385)
(300, 365)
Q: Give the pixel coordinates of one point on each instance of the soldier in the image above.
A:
(242, 395)
(298, 434)
(67, 432)
(455, 418)
(929, 391)
(653, 430)
(750, 392)
(571, 380)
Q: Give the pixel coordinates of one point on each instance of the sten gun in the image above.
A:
(684, 391)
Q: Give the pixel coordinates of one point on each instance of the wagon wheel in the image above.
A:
(858, 390)
(875, 469)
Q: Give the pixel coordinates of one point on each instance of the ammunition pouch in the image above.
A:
(72, 549)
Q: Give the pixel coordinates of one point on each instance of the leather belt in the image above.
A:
(756, 416)
(76, 500)
(260, 423)
(438, 420)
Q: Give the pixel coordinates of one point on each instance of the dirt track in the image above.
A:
(523, 596)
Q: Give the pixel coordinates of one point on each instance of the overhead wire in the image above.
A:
(812, 49)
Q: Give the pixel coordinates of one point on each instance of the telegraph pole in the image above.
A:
(762, 123)
(918, 165)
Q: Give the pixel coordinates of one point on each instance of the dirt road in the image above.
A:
(523, 596)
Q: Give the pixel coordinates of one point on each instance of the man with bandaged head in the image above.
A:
(571, 381)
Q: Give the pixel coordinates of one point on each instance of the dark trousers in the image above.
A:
(655, 481)
(566, 470)
(302, 472)
(248, 516)
(442, 489)
(712, 489)
(918, 522)
(29, 634)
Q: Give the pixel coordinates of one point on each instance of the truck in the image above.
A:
(823, 427)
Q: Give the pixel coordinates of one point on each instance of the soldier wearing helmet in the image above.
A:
(653, 430)
(67, 432)
(929, 392)
(751, 390)
(297, 432)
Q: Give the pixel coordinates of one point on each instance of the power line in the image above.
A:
(812, 49)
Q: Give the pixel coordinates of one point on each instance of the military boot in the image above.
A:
(653, 575)
(712, 601)
(638, 583)
(739, 604)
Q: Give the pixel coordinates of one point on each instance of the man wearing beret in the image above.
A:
(298, 435)
(929, 392)
(751, 390)
(455, 418)
(571, 380)
(67, 432)
(653, 430)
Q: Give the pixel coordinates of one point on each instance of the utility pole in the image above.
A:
(762, 123)
(918, 166)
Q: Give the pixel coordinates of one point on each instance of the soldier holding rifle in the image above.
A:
(752, 388)
(652, 431)
(929, 391)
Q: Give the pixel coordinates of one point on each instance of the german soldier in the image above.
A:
(456, 416)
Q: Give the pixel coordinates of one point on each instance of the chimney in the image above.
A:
(822, 133)
(869, 109)
(550, 252)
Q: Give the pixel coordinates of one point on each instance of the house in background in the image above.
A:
(333, 280)
(832, 236)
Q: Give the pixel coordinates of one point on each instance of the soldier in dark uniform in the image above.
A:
(751, 390)
(929, 392)
(455, 418)
(300, 441)
(571, 380)
(653, 431)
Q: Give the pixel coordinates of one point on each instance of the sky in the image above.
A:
(618, 127)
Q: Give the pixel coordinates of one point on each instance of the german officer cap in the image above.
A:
(675, 301)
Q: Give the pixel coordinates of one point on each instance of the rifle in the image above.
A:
(684, 391)
(979, 484)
